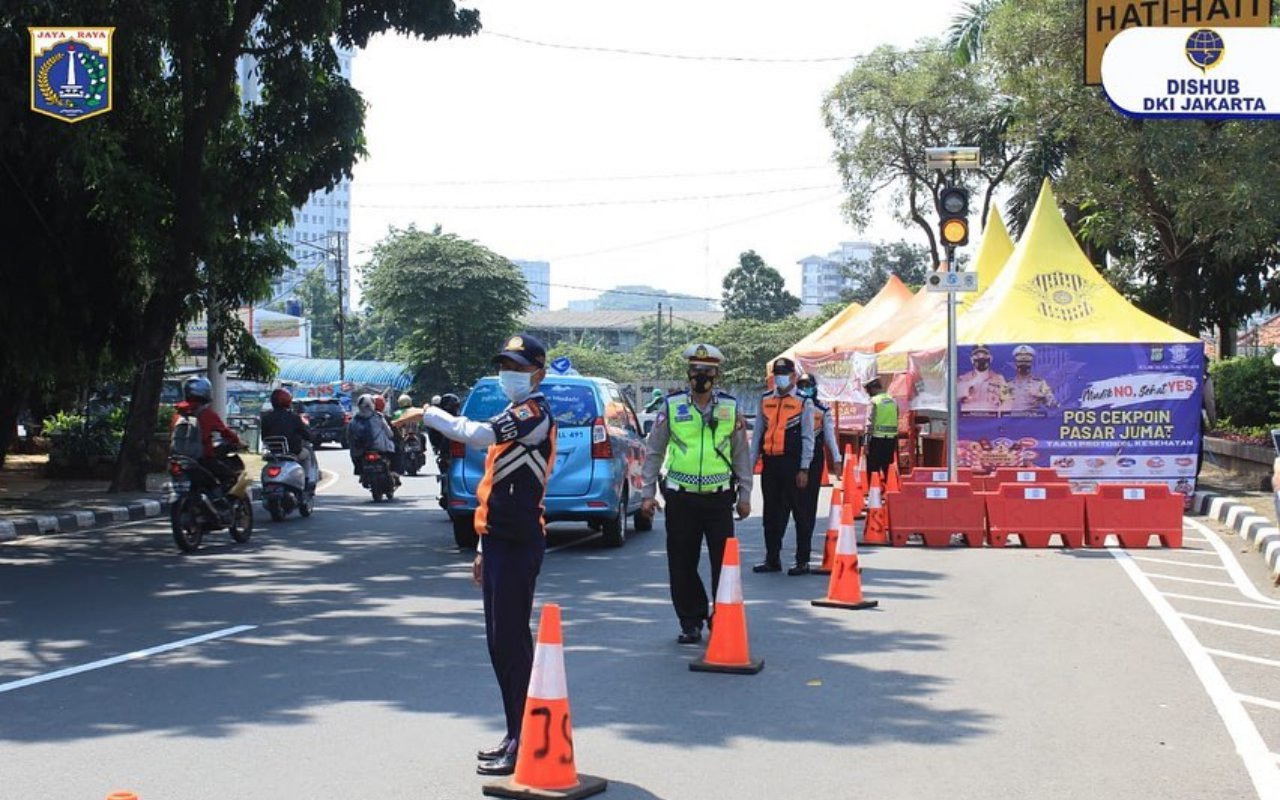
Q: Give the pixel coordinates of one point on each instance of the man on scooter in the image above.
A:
(281, 420)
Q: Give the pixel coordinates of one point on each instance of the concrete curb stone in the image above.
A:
(1254, 528)
(66, 521)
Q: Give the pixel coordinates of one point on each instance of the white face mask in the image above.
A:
(515, 385)
(783, 382)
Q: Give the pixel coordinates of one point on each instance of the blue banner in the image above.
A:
(1093, 412)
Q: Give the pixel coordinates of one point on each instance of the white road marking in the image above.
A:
(1240, 603)
(1255, 754)
(1259, 701)
(134, 656)
(1227, 584)
(1236, 625)
(1266, 662)
(333, 478)
(1237, 573)
(1150, 560)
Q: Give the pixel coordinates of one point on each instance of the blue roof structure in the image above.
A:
(314, 371)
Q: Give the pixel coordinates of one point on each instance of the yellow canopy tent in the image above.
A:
(931, 333)
(887, 302)
(841, 318)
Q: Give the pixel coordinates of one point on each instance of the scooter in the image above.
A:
(201, 503)
(376, 475)
(284, 481)
(415, 457)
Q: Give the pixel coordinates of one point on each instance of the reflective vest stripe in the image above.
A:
(698, 457)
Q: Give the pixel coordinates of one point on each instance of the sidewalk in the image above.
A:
(1242, 506)
(31, 503)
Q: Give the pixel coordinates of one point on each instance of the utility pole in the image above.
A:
(342, 318)
(657, 361)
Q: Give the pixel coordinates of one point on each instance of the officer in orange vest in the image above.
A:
(783, 436)
(522, 452)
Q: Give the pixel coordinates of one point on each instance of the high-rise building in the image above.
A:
(317, 236)
(823, 277)
(537, 274)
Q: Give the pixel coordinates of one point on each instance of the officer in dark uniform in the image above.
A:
(824, 446)
(522, 452)
(784, 437)
(700, 437)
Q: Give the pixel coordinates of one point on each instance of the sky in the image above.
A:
(620, 168)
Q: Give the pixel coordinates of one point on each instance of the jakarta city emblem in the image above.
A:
(71, 72)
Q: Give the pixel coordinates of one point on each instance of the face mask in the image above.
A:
(981, 364)
(783, 382)
(808, 391)
(702, 383)
(515, 385)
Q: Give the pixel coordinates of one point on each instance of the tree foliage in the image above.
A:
(910, 262)
(754, 290)
(597, 362)
(455, 302)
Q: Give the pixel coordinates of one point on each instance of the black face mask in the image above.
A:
(701, 383)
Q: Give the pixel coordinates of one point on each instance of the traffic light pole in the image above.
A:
(953, 400)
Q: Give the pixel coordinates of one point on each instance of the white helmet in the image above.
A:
(1023, 351)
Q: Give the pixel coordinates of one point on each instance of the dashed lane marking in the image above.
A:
(1227, 584)
(1239, 603)
(1266, 662)
(1237, 625)
(1150, 560)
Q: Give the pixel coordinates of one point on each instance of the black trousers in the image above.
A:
(881, 451)
(807, 510)
(691, 518)
(781, 503)
(510, 573)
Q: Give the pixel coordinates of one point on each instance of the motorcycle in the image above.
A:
(443, 463)
(202, 503)
(415, 457)
(284, 481)
(376, 475)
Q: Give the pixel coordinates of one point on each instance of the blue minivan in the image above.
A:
(599, 466)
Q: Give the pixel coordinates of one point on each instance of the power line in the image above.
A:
(592, 203)
(673, 56)
(593, 179)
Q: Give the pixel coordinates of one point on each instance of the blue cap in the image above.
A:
(524, 349)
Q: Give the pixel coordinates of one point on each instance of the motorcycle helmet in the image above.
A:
(450, 402)
(379, 403)
(198, 389)
(404, 401)
(281, 398)
(364, 405)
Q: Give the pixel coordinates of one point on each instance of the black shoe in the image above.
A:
(495, 752)
(767, 567)
(504, 764)
(799, 569)
(690, 636)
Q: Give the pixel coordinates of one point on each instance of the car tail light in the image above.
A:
(371, 456)
(597, 504)
(273, 472)
(457, 449)
(600, 447)
(175, 468)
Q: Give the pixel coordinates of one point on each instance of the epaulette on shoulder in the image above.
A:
(726, 395)
(675, 392)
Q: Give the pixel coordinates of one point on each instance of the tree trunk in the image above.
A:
(131, 465)
(1226, 339)
(1184, 310)
(10, 405)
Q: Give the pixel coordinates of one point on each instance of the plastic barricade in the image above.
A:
(1040, 475)
(936, 475)
(935, 511)
(1133, 513)
(1034, 513)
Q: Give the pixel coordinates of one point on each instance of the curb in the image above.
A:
(1251, 526)
(66, 521)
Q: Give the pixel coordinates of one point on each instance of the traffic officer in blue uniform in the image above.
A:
(702, 440)
(824, 446)
(509, 521)
(783, 436)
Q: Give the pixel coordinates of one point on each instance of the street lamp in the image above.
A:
(340, 322)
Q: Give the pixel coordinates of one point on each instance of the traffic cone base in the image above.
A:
(844, 589)
(850, 606)
(507, 787)
(751, 667)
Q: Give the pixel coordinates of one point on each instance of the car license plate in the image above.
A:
(180, 487)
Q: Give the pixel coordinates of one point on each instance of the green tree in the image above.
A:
(893, 105)
(910, 262)
(596, 361)
(749, 344)
(189, 183)
(455, 301)
(754, 290)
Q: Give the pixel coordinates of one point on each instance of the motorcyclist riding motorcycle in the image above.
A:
(368, 430)
(197, 402)
(281, 420)
(446, 402)
(412, 442)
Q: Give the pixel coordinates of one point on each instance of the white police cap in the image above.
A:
(703, 354)
(1023, 351)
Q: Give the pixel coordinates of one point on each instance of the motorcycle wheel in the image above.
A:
(377, 495)
(242, 520)
(305, 506)
(275, 510)
(184, 518)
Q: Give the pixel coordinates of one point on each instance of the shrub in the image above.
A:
(1245, 389)
(77, 436)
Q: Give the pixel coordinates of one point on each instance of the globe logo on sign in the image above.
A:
(1205, 49)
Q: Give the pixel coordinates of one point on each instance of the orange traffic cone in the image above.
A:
(544, 762)
(853, 487)
(122, 796)
(845, 587)
(876, 528)
(727, 651)
(894, 483)
(833, 533)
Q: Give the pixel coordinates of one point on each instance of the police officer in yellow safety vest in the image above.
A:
(702, 440)
(882, 430)
(784, 437)
(824, 447)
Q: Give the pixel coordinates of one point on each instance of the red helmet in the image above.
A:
(379, 403)
(281, 398)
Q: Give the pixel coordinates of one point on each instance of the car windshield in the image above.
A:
(573, 403)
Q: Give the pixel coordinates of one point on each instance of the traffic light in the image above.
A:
(953, 222)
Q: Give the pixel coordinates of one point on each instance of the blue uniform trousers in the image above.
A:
(510, 573)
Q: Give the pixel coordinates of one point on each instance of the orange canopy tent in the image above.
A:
(850, 336)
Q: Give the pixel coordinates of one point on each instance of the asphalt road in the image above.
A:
(983, 674)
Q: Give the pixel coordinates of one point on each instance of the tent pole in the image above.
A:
(953, 412)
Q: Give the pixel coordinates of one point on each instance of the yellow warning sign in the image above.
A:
(1104, 19)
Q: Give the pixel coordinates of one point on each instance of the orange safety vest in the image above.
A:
(511, 494)
(782, 424)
